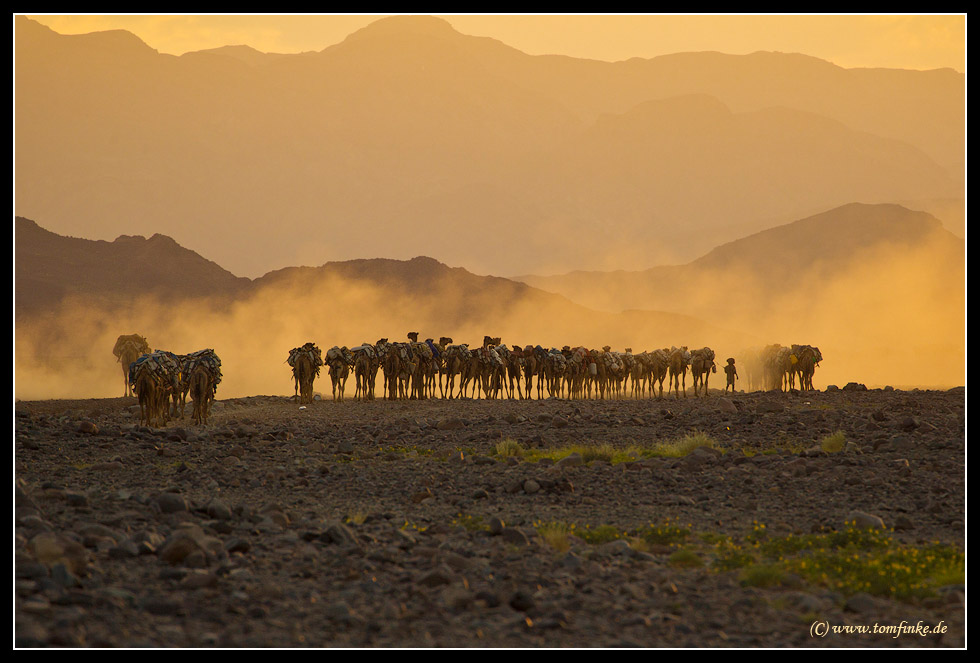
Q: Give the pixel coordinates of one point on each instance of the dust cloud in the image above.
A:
(67, 354)
(894, 317)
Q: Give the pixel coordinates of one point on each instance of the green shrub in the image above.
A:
(833, 443)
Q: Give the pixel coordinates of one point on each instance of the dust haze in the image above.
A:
(894, 316)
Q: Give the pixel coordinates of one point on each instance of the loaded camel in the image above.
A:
(129, 348)
(702, 364)
(678, 361)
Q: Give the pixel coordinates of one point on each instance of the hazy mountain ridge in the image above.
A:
(365, 149)
(776, 259)
(49, 266)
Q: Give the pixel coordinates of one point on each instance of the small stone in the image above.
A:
(903, 523)
(861, 602)
(434, 578)
(172, 503)
(514, 536)
(862, 519)
(238, 545)
(340, 534)
(125, 550)
(571, 460)
(198, 579)
(725, 405)
(521, 601)
(87, 427)
(219, 510)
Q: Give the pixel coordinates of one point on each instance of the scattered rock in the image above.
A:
(862, 519)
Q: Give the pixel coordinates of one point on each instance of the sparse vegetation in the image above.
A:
(555, 535)
(509, 448)
(669, 533)
(761, 575)
(833, 443)
(684, 446)
(614, 455)
(685, 558)
(469, 522)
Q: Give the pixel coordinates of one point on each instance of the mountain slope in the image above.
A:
(49, 267)
(792, 257)
(409, 138)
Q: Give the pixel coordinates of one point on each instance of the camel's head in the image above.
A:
(445, 340)
(413, 336)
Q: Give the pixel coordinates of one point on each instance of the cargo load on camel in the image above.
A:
(206, 358)
(312, 352)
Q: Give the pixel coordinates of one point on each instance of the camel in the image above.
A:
(153, 380)
(202, 393)
(440, 361)
(365, 368)
(702, 364)
(555, 366)
(679, 359)
(339, 362)
(808, 359)
(306, 363)
(472, 371)
(780, 368)
(419, 355)
(639, 375)
(188, 363)
(596, 372)
(455, 360)
(753, 368)
(303, 372)
(339, 372)
(148, 395)
(395, 366)
(513, 362)
(773, 366)
(532, 367)
(129, 348)
(492, 370)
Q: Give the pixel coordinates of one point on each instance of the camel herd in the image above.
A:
(413, 369)
(776, 367)
(162, 380)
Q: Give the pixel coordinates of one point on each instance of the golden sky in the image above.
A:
(899, 41)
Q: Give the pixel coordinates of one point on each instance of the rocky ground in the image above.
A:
(398, 524)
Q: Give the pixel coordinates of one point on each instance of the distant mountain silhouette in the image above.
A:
(49, 267)
(795, 257)
(409, 138)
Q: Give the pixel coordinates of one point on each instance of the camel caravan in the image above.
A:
(413, 369)
(162, 380)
